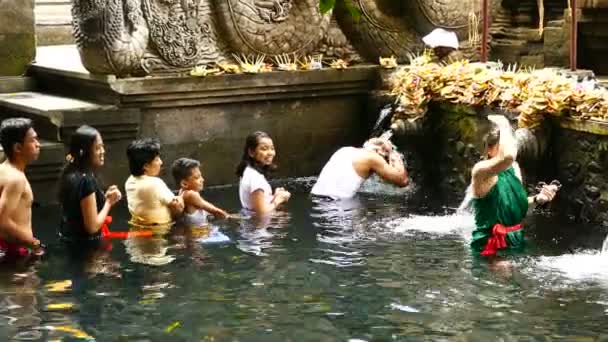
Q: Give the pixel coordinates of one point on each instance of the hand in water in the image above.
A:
(282, 195)
(37, 248)
(222, 215)
(38, 251)
(395, 159)
(547, 193)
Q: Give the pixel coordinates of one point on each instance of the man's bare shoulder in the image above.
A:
(10, 175)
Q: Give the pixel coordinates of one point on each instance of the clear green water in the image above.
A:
(376, 269)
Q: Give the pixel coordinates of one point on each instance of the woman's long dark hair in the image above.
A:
(78, 159)
(251, 143)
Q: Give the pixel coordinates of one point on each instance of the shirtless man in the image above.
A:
(348, 167)
(21, 147)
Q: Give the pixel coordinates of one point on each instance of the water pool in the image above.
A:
(376, 268)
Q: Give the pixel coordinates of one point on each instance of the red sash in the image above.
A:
(107, 234)
(13, 250)
(498, 239)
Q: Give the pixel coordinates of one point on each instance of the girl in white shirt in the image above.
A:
(258, 160)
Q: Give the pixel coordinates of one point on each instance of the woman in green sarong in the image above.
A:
(500, 201)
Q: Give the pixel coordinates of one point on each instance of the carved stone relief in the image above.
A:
(272, 27)
(130, 37)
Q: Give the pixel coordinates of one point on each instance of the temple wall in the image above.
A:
(17, 36)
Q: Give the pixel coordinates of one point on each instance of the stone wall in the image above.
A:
(305, 133)
(450, 141)
(581, 160)
(17, 36)
(309, 115)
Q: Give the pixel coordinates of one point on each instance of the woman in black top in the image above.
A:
(85, 207)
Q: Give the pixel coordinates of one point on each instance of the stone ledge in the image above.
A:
(15, 84)
(587, 126)
(65, 75)
(56, 117)
(158, 92)
(57, 34)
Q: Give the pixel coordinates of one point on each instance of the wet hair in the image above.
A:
(490, 140)
(182, 169)
(378, 143)
(140, 152)
(12, 132)
(251, 143)
(78, 158)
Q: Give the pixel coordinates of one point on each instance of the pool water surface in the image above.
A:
(374, 268)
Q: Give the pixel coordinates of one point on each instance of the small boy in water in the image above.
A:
(188, 177)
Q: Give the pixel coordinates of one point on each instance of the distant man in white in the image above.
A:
(444, 44)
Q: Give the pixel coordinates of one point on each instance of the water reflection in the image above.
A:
(340, 223)
(149, 250)
(19, 314)
(375, 268)
(257, 233)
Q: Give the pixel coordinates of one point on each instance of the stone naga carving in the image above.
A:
(272, 27)
(130, 37)
(382, 30)
(396, 28)
(112, 35)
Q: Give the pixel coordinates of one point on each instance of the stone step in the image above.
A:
(44, 172)
(555, 23)
(53, 22)
(56, 117)
(14, 84)
(54, 35)
(53, 12)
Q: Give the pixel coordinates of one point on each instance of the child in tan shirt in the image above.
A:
(149, 199)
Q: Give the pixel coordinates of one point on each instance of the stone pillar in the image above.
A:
(17, 36)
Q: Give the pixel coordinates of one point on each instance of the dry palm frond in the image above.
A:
(338, 64)
(285, 63)
(251, 64)
(388, 62)
(229, 68)
(535, 94)
(312, 63)
(202, 71)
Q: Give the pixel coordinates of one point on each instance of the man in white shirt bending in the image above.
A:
(350, 166)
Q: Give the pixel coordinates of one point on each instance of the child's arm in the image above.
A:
(194, 199)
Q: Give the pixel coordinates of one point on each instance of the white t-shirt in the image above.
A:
(251, 181)
(338, 179)
(148, 199)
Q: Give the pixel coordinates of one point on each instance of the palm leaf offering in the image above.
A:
(534, 94)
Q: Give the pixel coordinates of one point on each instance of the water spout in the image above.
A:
(383, 120)
(387, 135)
(605, 247)
(465, 205)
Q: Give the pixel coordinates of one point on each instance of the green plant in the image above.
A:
(327, 5)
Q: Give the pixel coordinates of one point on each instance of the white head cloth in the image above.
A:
(441, 37)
